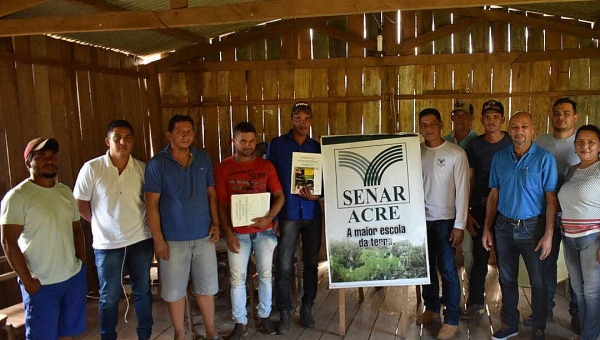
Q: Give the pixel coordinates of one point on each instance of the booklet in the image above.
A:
(245, 207)
(307, 170)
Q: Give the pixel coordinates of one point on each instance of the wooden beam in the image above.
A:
(519, 20)
(343, 35)
(282, 101)
(8, 7)
(193, 52)
(177, 4)
(226, 14)
(424, 59)
(551, 55)
(565, 93)
(441, 32)
(174, 32)
(71, 65)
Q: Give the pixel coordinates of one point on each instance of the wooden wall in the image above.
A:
(251, 83)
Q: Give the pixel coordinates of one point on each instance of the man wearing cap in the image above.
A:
(480, 151)
(522, 208)
(300, 215)
(44, 244)
(183, 216)
(446, 191)
(462, 118)
(109, 195)
(561, 143)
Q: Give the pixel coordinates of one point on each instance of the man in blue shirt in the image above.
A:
(181, 204)
(301, 215)
(462, 118)
(523, 181)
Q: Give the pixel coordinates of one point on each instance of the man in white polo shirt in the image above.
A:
(109, 193)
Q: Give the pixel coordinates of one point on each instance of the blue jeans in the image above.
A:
(137, 258)
(311, 243)
(441, 256)
(514, 238)
(581, 256)
(263, 243)
(480, 260)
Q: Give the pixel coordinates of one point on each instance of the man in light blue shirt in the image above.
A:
(523, 182)
(462, 118)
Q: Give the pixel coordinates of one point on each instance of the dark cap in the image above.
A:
(301, 106)
(463, 106)
(40, 144)
(493, 105)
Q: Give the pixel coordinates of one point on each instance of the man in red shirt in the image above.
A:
(245, 173)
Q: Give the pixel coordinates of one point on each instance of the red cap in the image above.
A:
(39, 144)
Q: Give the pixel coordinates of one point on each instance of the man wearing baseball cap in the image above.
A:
(462, 118)
(480, 152)
(44, 244)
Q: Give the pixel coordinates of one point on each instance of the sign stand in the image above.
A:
(403, 309)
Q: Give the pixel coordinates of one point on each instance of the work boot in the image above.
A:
(284, 322)
(239, 331)
(447, 332)
(425, 318)
(267, 326)
(472, 311)
(308, 320)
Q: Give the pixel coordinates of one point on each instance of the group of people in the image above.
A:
(522, 198)
(506, 190)
(174, 208)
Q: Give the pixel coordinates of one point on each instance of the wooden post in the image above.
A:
(342, 310)
(404, 309)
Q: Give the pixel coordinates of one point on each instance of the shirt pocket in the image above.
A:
(529, 179)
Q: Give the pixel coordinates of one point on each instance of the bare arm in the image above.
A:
(85, 209)
(490, 213)
(79, 240)
(161, 248)
(213, 207)
(546, 241)
(16, 259)
(227, 228)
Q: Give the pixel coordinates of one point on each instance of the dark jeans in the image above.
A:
(514, 238)
(480, 260)
(137, 258)
(550, 270)
(441, 256)
(311, 243)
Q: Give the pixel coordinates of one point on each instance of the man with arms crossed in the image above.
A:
(301, 215)
(109, 193)
(561, 143)
(523, 201)
(245, 173)
(446, 190)
(183, 216)
(480, 152)
(44, 244)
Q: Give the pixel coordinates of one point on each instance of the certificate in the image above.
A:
(245, 207)
(307, 171)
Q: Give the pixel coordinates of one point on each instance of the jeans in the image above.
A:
(481, 258)
(514, 238)
(311, 243)
(581, 256)
(111, 263)
(441, 255)
(263, 243)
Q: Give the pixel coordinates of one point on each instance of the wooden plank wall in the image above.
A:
(348, 116)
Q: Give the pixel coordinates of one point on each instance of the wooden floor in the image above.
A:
(377, 317)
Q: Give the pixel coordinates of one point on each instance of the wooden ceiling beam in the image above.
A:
(174, 32)
(194, 52)
(343, 35)
(441, 32)
(519, 20)
(8, 7)
(227, 14)
(177, 4)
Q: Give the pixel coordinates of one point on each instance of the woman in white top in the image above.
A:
(580, 205)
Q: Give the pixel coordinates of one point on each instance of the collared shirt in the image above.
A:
(117, 201)
(522, 183)
(183, 204)
(563, 150)
(280, 154)
(463, 143)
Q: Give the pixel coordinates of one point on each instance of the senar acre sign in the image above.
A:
(374, 211)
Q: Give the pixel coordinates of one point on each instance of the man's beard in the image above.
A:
(50, 175)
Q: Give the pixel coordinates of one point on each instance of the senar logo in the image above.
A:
(371, 172)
